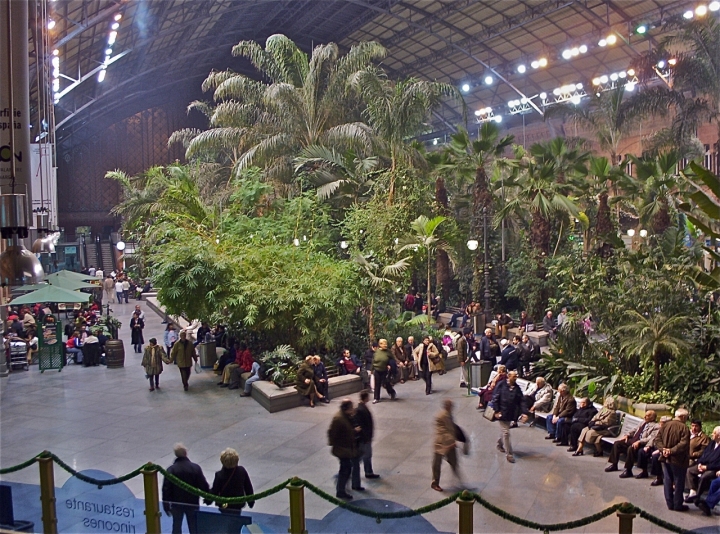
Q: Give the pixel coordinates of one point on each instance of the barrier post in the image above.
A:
(47, 495)
(626, 522)
(465, 509)
(297, 507)
(152, 501)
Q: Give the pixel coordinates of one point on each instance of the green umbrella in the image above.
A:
(71, 275)
(51, 294)
(70, 284)
(28, 288)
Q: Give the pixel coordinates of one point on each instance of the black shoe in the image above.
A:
(556, 440)
(550, 436)
(683, 508)
(561, 444)
(326, 400)
(626, 474)
(703, 507)
(578, 453)
(463, 385)
(656, 482)
(234, 387)
(345, 496)
(571, 449)
(610, 468)
(359, 488)
(642, 474)
(690, 499)
(598, 454)
(220, 383)
(371, 475)
(225, 386)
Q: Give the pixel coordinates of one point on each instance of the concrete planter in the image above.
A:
(638, 409)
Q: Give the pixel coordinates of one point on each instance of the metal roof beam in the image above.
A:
(81, 27)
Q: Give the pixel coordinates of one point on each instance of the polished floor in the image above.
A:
(99, 418)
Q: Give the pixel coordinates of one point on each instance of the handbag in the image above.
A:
(225, 505)
(198, 368)
(489, 413)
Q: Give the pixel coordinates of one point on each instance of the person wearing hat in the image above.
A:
(153, 363)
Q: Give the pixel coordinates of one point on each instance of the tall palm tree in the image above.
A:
(474, 159)
(424, 238)
(654, 337)
(397, 111)
(692, 92)
(438, 162)
(304, 102)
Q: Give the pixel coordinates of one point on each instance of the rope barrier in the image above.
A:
(378, 516)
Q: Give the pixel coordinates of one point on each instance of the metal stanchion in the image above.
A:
(152, 501)
(465, 510)
(626, 522)
(47, 495)
(297, 507)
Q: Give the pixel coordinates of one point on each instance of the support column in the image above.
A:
(152, 501)
(297, 507)
(465, 510)
(47, 495)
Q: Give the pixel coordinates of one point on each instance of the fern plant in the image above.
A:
(281, 364)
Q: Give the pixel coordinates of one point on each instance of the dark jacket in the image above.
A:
(408, 350)
(528, 351)
(341, 437)
(364, 419)
(320, 371)
(711, 457)
(485, 351)
(510, 357)
(462, 349)
(232, 482)
(674, 435)
(190, 473)
(566, 406)
(584, 415)
(507, 401)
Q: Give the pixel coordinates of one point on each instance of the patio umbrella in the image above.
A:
(51, 294)
(70, 284)
(29, 288)
(71, 275)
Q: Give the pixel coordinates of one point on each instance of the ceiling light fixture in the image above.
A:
(51, 24)
(488, 80)
(688, 14)
(714, 6)
(701, 10)
(118, 17)
(521, 69)
(465, 87)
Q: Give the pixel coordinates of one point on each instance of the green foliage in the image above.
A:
(281, 364)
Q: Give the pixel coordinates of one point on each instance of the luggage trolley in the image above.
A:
(18, 354)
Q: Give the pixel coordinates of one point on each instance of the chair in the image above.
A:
(62, 308)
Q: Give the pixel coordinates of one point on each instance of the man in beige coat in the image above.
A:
(445, 438)
(183, 354)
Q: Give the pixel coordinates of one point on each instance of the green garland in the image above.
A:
(220, 500)
(378, 516)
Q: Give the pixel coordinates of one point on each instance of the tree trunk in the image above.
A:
(604, 227)
(442, 260)
(661, 220)
(540, 235)
(482, 198)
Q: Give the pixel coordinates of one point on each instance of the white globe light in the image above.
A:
(543, 62)
(603, 79)
(596, 81)
(602, 42)
(296, 242)
(343, 245)
(631, 232)
(473, 244)
(583, 49)
(688, 14)
(611, 39)
(521, 69)
(498, 118)
(488, 80)
(465, 87)
(543, 95)
(643, 233)
(566, 54)
(120, 245)
(575, 51)
(714, 6)
(535, 64)
(575, 99)
(614, 76)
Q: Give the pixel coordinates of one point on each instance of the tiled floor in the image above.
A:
(107, 419)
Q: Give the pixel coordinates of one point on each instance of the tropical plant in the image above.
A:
(305, 102)
(281, 364)
(397, 111)
(654, 337)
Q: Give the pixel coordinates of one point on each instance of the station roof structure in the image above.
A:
(498, 52)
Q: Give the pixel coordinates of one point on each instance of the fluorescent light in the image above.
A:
(465, 87)
(101, 75)
(56, 85)
(521, 69)
(488, 80)
(688, 14)
(55, 62)
(108, 52)
(641, 29)
(701, 10)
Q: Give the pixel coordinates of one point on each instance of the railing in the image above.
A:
(626, 512)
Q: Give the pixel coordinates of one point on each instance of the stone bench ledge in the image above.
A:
(274, 399)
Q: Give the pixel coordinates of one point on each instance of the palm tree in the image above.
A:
(475, 158)
(654, 337)
(692, 92)
(378, 276)
(347, 177)
(305, 102)
(425, 238)
(397, 111)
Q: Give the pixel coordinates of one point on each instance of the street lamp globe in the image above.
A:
(343, 245)
(643, 233)
(472, 244)
(631, 232)
(120, 245)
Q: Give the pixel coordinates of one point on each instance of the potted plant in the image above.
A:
(281, 365)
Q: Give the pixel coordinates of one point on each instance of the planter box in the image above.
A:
(274, 399)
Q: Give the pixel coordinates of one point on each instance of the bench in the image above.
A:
(274, 399)
(630, 424)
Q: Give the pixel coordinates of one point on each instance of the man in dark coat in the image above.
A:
(510, 355)
(364, 421)
(701, 475)
(507, 401)
(464, 353)
(176, 501)
(673, 442)
(341, 437)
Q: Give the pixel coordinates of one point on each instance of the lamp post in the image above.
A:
(486, 267)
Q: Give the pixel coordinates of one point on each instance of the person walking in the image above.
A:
(341, 437)
(231, 481)
(136, 332)
(673, 442)
(425, 355)
(126, 289)
(364, 420)
(445, 438)
(177, 502)
(381, 368)
(153, 363)
(507, 401)
(183, 354)
(169, 337)
(108, 290)
(119, 290)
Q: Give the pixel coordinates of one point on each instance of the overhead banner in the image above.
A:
(43, 182)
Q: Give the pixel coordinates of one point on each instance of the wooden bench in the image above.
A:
(630, 424)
